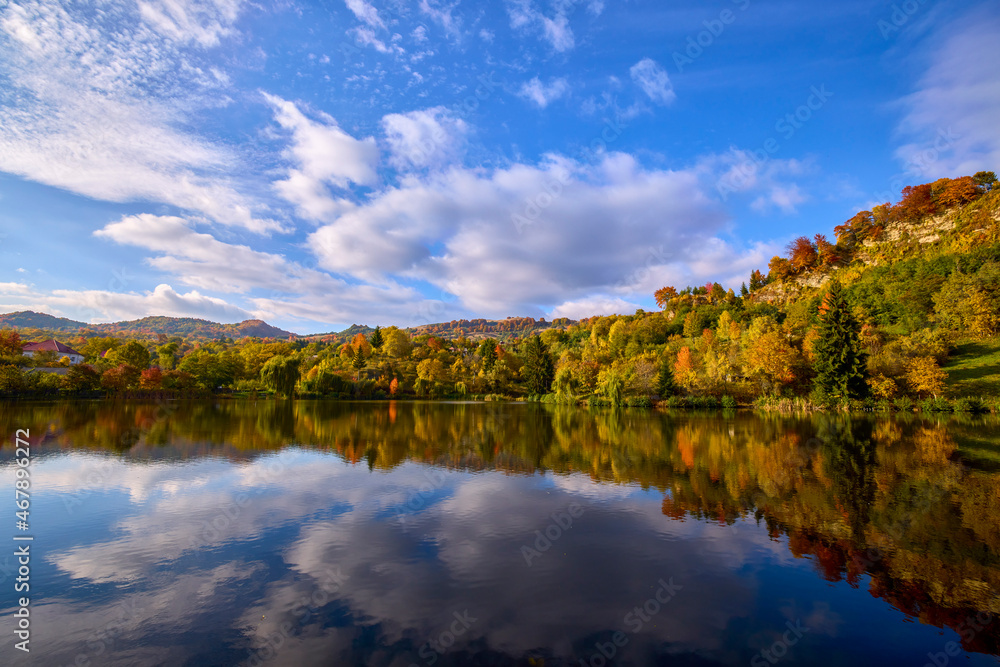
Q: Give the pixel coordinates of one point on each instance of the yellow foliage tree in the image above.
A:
(925, 376)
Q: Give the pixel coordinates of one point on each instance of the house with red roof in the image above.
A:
(29, 349)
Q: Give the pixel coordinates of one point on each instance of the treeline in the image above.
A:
(866, 322)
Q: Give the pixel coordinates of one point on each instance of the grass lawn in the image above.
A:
(974, 369)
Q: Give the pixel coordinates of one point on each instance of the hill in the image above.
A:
(511, 327)
(185, 327)
(28, 319)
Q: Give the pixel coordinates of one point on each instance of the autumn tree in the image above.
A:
(802, 254)
(397, 343)
(538, 370)
(151, 378)
(120, 378)
(779, 269)
(360, 343)
(839, 360)
(826, 252)
(757, 280)
(959, 191)
(924, 376)
(664, 295)
(10, 345)
(684, 369)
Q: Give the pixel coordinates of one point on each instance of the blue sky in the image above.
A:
(317, 164)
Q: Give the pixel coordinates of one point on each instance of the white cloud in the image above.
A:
(952, 118)
(427, 138)
(366, 37)
(204, 22)
(98, 111)
(786, 198)
(654, 81)
(443, 15)
(503, 243)
(323, 155)
(542, 94)
(556, 29)
(161, 301)
(593, 305)
(740, 171)
(365, 12)
(275, 286)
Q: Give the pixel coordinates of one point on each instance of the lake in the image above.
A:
(416, 533)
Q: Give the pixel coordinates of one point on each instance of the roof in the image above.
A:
(48, 346)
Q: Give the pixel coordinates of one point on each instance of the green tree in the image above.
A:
(166, 356)
(488, 353)
(840, 363)
(377, 339)
(81, 378)
(359, 361)
(212, 371)
(132, 353)
(665, 385)
(11, 379)
(538, 370)
(281, 374)
(397, 343)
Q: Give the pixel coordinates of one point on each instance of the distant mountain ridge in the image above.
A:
(190, 327)
(168, 326)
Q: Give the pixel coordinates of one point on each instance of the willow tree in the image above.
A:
(281, 374)
(839, 361)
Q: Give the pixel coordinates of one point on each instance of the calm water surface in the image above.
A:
(272, 533)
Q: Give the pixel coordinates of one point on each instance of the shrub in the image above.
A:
(677, 402)
(939, 404)
(903, 404)
(728, 402)
(970, 404)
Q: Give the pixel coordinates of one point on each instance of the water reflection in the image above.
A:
(417, 533)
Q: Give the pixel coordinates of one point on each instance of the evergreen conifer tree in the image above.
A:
(377, 339)
(665, 385)
(538, 370)
(488, 352)
(839, 360)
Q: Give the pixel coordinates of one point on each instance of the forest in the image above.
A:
(901, 311)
